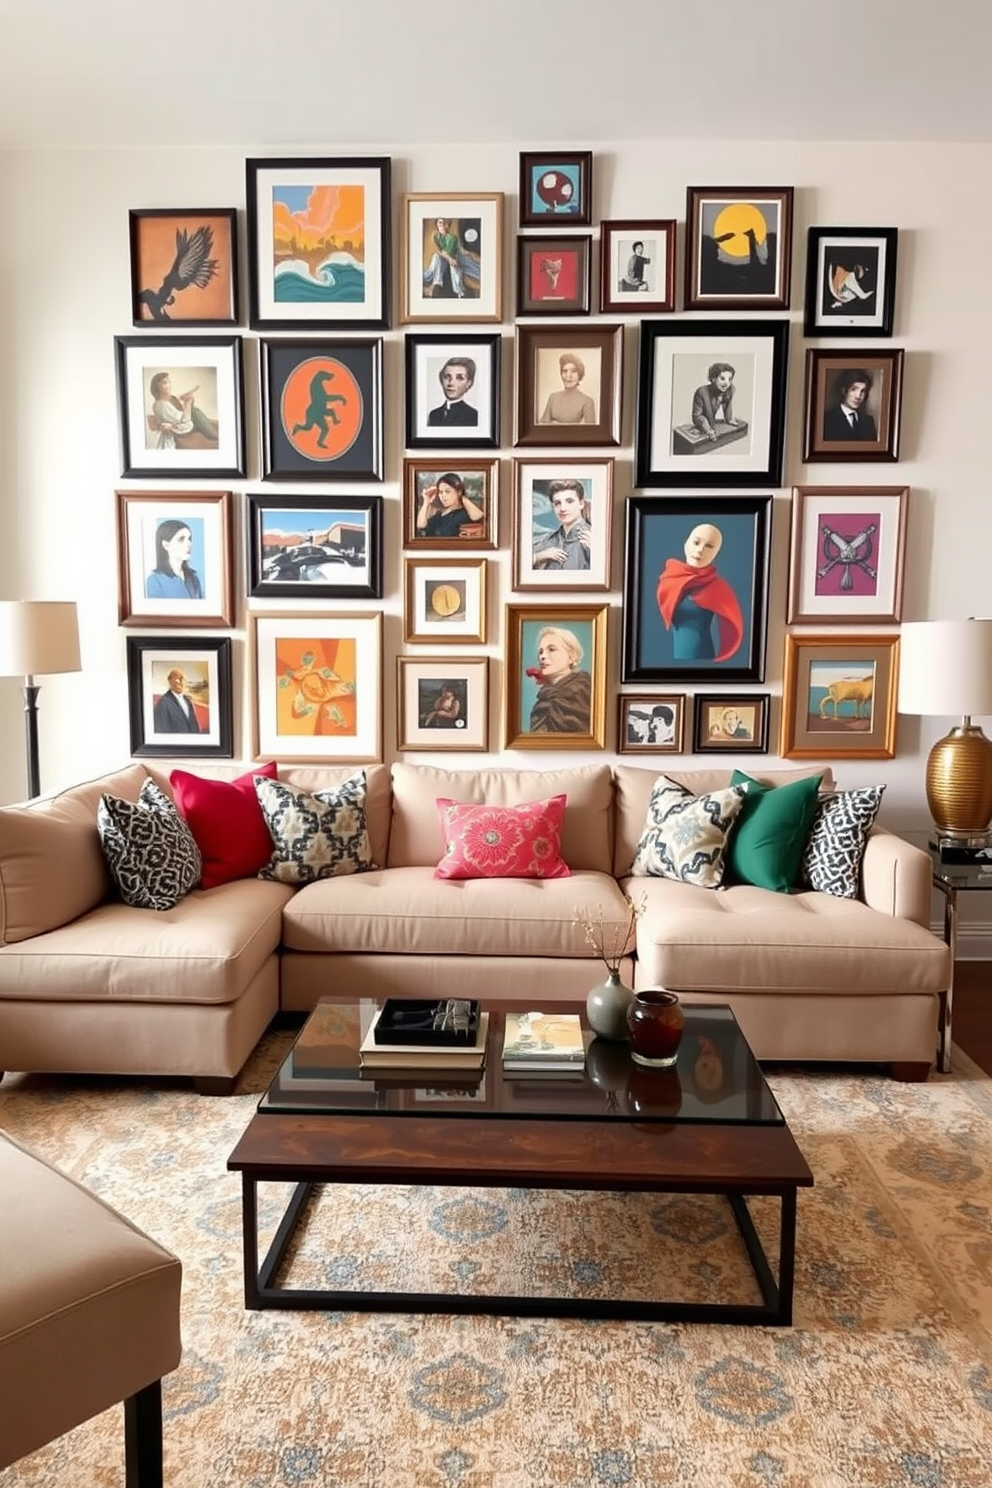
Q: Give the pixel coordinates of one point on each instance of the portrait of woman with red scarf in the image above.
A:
(697, 605)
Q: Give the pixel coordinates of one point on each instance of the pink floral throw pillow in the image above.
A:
(502, 841)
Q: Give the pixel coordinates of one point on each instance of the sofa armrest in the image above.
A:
(897, 878)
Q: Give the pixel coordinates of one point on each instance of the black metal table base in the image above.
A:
(263, 1291)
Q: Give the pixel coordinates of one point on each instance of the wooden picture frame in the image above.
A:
(716, 550)
(554, 274)
(839, 696)
(534, 717)
(711, 403)
(444, 600)
(651, 724)
(555, 186)
(181, 410)
(738, 247)
(321, 409)
(869, 385)
(452, 391)
(850, 281)
(184, 266)
(637, 266)
(442, 702)
(193, 718)
(731, 723)
(553, 405)
(318, 243)
(317, 690)
(314, 547)
(452, 273)
(475, 484)
(174, 558)
(562, 523)
(848, 548)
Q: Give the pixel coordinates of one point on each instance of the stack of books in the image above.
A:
(395, 1044)
(543, 1044)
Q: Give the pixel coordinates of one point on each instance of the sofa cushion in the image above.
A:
(837, 840)
(685, 836)
(502, 841)
(227, 822)
(766, 845)
(150, 851)
(319, 835)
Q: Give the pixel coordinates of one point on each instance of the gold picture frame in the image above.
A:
(839, 697)
(444, 600)
(534, 717)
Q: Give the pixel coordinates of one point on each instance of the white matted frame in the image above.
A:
(637, 267)
(651, 724)
(193, 528)
(445, 600)
(317, 687)
(180, 406)
(848, 551)
(442, 702)
(562, 521)
(452, 273)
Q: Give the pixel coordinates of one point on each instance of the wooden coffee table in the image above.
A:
(710, 1127)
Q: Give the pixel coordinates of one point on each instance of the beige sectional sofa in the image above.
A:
(88, 984)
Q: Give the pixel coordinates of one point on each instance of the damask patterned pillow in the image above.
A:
(322, 834)
(685, 836)
(837, 840)
(502, 841)
(150, 851)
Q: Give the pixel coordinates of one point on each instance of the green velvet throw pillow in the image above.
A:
(766, 846)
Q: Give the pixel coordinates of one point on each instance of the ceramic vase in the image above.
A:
(606, 1008)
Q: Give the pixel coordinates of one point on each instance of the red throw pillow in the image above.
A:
(227, 823)
(502, 841)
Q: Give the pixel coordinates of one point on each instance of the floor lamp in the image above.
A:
(37, 638)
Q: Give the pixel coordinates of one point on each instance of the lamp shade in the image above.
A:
(945, 668)
(38, 637)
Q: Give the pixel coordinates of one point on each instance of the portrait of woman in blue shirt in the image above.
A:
(172, 577)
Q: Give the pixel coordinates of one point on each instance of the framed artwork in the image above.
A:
(850, 281)
(184, 266)
(711, 403)
(179, 696)
(555, 184)
(852, 405)
(452, 256)
(452, 391)
(651, 725)
(839, 697)
(554, 696)
(442, 702)
(695, 594)
(553, 275)
(318, 687)
(848, 550)
(451, 504)
(568, 384)
(314, 547)
(174, 558)
(445, 600)
(730, 723)
(322, 409)
(562, 521)
(637, 267)
(738, 247)
(180, 404)
(318, 243)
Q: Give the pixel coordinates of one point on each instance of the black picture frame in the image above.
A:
(205, 434)
(427, 424)
(206, 664)
(674, 444)
(191, 254)
(299, 408)
(827, 432)
(554, 274)
(731, 723)
(735, 589)
(850, 281)
(320, 536)
(555, 187)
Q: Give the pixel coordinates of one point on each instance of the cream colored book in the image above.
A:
(420, 1056)
(548, 1040)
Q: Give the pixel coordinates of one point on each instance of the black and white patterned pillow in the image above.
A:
(837, 840)
(685, 836)
(318, 835)
(150, 851)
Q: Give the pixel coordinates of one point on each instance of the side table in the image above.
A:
(953, 879)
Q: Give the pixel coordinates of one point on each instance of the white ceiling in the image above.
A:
(185, 73)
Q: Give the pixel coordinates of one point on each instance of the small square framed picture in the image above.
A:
(555, 185)
(568, 384)
(312, 547)
(562, 521)
(852, 405)
(450, 503)
(184, 266)
(651, 725)
(452, 257)
(637, 267)
(850, 281)
(442, 702)
(174, 558)
(839, 696)
(179, 696)
(731, 723)
(445, 601)
(553, 275)
(848, 548)
(738, 247)
(452, 391)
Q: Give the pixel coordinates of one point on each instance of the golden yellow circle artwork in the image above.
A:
(445, 600)
(733, 227)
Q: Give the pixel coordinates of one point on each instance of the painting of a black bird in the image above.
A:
(192, 266)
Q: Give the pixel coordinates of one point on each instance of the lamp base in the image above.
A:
(959, 784)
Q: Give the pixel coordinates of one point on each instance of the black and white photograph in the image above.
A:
(637, 267)
(452, 391)
(651, 725)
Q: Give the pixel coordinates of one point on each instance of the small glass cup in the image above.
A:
(656, 1022)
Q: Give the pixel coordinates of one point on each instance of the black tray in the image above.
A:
(409, 1020)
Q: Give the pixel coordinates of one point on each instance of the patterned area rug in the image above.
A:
(885, 1381)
